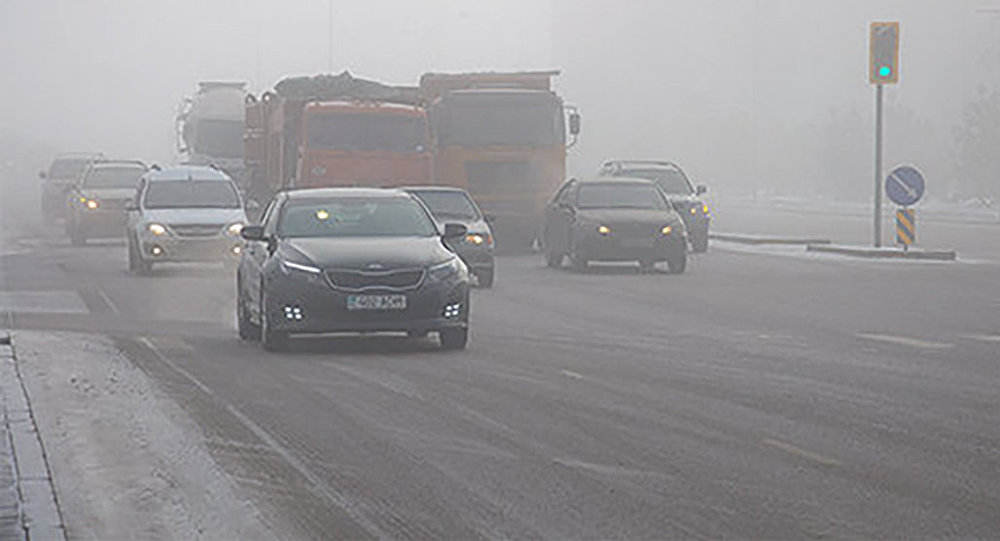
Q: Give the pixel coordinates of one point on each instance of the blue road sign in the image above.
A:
(904, 185)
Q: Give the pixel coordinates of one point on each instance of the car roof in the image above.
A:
(615, 180)
(187, 172)
(322, 193)
(433, 189)
(107, 163)
(641, 163)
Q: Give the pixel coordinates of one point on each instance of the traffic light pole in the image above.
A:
(878, 165)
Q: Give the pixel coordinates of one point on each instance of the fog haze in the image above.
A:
(747, 95)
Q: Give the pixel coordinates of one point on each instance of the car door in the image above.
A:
(559, 216)
(257, 254)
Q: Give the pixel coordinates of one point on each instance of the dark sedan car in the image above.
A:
(456, 205)
(613, 219)
(351, 260)
(685, 197)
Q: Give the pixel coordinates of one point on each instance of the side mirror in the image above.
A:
(574, 123)
(700, 189)
(41, 175)
(452, 231)
(489, 218)
(253, 233)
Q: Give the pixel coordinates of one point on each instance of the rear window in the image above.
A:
(670, 181)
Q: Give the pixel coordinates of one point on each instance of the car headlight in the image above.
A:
(693, 210)
(234, 229)
(667, 229)
(449, 270)
(156, 229)
(91, 204)
(704, 208)
(291, 266)
(479, 239)
(603, 230)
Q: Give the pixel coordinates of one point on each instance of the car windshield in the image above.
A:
(367, 131)
(620, 195)
(68, 168)
(220, 138)
(170, 194)
(124, 176)
(671, 181)
(448, 204)
(356, 217)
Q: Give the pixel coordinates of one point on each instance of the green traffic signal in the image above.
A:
(884, 71)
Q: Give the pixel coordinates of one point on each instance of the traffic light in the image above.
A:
(883, 53)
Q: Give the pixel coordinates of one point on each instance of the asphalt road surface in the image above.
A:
(766, 393)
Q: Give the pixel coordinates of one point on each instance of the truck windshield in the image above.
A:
(492, 120)
(448, 204)
(126, 176)
(367, 131)
(172, 194)
(356, 217)
(620, 195)
(670, 181)
(220, 138)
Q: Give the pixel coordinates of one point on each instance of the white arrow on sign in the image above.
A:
(909, 189)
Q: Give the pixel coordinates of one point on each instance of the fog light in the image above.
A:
(452, 311)
(237, 250)
(156, 250)
(293, 313)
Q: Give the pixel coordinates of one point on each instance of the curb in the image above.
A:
(759, 239)
(38, 514)
(885, 253)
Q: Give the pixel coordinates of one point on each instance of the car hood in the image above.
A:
(195, 216)
(628, 215)
(368, 253)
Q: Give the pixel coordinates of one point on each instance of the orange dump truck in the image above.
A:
(502, 137)
(335, 130)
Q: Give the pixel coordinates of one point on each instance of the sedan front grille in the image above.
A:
(196, 230)
(355, 280)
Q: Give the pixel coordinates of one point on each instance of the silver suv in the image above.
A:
(184, 213)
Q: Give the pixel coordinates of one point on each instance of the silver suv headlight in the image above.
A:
(450, 270)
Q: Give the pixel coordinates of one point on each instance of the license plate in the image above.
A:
(637, 243)
(376, 302)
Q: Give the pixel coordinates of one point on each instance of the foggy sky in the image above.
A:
(730, 88)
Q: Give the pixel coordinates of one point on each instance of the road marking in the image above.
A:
(800, 452)
(107, 300)
(42, 302)
(169, 343)
(572, 374)
(357, 510)
(610, 469)
(984, 337)
(904, 341)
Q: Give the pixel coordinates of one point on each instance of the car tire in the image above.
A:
(271, 339)
(553, 258)
(453, 338)
(136, 263)
(677, 260)
(699, 243)
(248, 330)
(485, 278)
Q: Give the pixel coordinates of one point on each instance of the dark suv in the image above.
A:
(65, 170)
(680, 192)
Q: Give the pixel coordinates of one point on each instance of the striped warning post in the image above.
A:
(906, 233)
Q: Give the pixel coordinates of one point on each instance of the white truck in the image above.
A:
(210, 127)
